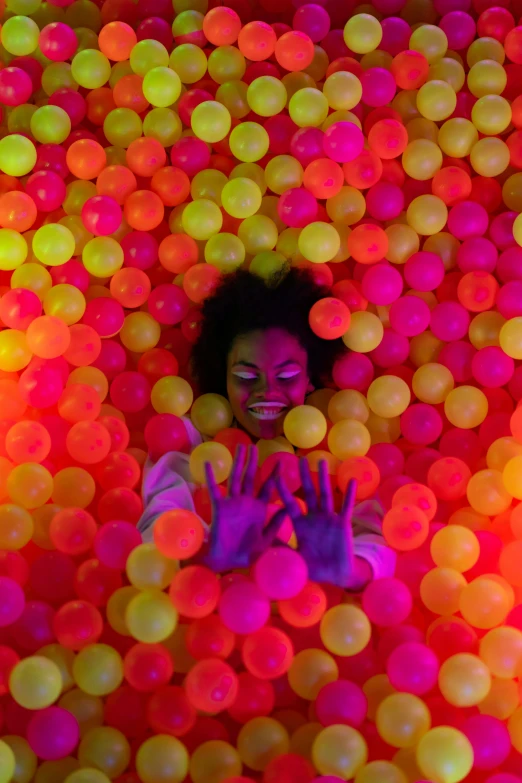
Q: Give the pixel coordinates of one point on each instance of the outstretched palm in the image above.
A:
(238, 534)
(324, 537)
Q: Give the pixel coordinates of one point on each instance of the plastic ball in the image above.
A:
(449, 746)
(161, 759)
(35, 682)
(328, 758)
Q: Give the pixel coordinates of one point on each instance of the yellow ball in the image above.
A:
(219, 458)
(430, 41)
(319, 242)
(349, 438)
(90, 69)
(172, 395)
(455, 547)
(151, 617)
(102, 256)
(266, 96)
(106, 749)
(87, 775)
(146, 568)
(348, 404)
(436, 100)
(189, 62)
(464, 680)
(501, 651)
(491, 114)
(457, 137)
(445, 754)
(466, 407)
(25, 760)
(432, 383)
(202, 219)
(365, 332)
(258, 234)
(35, 682)
(305, 426)
(53, 244)
(487, 77)
(362, 33)
(225, 251)
(248, 141)
(283, 172)
(440, 590)
(88, 710)
(347, 206)
(162, 759)
(402, 719)
(308, 107)
(211, 121)
(510, 337)
(345, 630)
(214, 761)
(208, 184)
(98, 669)
(502, 700)
(161, 86)
(512, 192)
(260, 741)
(490, 157)
(388, 396)
(211, 413)
(484, 603)
(422, 159)
(427, 214)
(339, 750)
(380, 772)
(7, 763)
(310, 671)
(140, 332)
(13, 249)
(512, 477)
(342, 90)
(241, 197)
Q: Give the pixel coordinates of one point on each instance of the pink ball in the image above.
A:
(396, 34)
(41, 386)
(280, 129)
(130, 392)
(73, 103)
(190, 154)
(19, 307)
(32, 67)
(313, 20)
(387, 602)
(12, 601)
(501, 230)
(410, 315)
(165, 432)
(112, 359)
(341, 702)
(168, 304)
(382, 284)
(378, 86)
(396, 636)
(460, 29)
(73, 273)
(243, 608)
(509, 265)
(15, 86)
(393, 349)
(343, 141)
(140, 250)
(421, 424)
(307, 145)
(104, 315)
(413, 668)
(384, 201)
(424, 271)
(388, 457)
(114, 542)
(101, 215)
(47, 190)
(468, 219)
(457, 356)
(491, 367)
(280, 573)
(157, 29)
(509, 299)
(52, 157)
(490, 740)
(477, 253)
(353, 371)
(53, 733)
(58, 41)
(297, 207)
(449, 321)
(34, 629)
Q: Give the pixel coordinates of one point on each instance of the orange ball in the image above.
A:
(178, 534)
(116, 40)
(99, 103)
(48, 337)
(515, 424)
(178, 253)
(172, 185)
(323, 178)
(329, 318)
(364, 171)
(451, 184)
(417, 495)
(199, 281)
(79, 402)
(368, 243)
(128, 93)
(405, 527)
(257, 41)
(477, 291)
(130, 287)
(388, 139)
(221, 26)
(17, 211)
(86, 159)
(509, 563)
(364, 471)
(448, 478)
(294, 51)
(145, 156)
(118, 182)
(88, 442)
(143, 210)
(27, 441)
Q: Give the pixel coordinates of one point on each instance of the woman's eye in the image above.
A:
(246, 376)
(289, 375)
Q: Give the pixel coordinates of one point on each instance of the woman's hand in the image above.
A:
(324, 538)
(237, 533)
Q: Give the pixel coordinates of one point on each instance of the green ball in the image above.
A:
(50, 125)
(211, 121)
(267, 96)
(91, 69)
(161, 86)
(17, 155)
(20, 36)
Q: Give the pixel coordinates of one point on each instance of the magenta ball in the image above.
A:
(378, 86)
(460, 29)
(15, 86)
(341, 702)
(343, 141)
(421, 424)
(114, 542)
(130, 392)
(72, 102)
(73, 273)
(384, 201)
(281, 573)
(327, 779)
(104, 315)
(112, 359)
(58, 41)
(449, 321)
(491, 367)
(53, 733)
(477, 253)
(313, 20)
(457, 357)
(156, 29)
(501, 230)
(413, 668)
(509, 265)
(307, 145)
(168, 304)
(353, 371)
(490, 739)
(12, 601)
(396, 34)
(32, 67)
(509, 299)
(410, 315)
(140, 250)
(244, 608)
(468, 219)
(388, 457)
(387, 602)
(297, 207)
(47, 189)
(52, 157)
(424, 271)
(101, 215)
(19, 307)
(190, 154)
(280, 129)
(393, 349)
(165, 432)
(382, 284)
(34, 629)
(396, 636)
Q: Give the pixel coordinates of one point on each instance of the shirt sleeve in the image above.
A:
(167, 485)
(369, 543)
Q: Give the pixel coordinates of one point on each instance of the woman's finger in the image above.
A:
(268, 486)
(290, 503)
(349, 501)
(325, 488)
(213, 489)
(310, 494)
(274, 526)
(234, 481)
(250, 471)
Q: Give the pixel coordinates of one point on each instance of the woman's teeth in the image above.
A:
(267, 411)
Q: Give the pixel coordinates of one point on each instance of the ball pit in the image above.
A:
(147, 149)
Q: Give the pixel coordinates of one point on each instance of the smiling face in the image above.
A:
(267, 375)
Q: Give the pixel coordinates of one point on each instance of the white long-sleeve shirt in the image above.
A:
(167, 484)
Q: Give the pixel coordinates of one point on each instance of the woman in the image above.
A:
(256, 347)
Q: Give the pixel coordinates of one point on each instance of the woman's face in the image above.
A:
(267, 375)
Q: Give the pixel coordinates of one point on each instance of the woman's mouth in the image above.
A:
(267, 411)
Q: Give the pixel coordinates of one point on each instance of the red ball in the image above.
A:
(148, 666)
(77, 624)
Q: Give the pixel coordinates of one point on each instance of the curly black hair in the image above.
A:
(244, 302)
